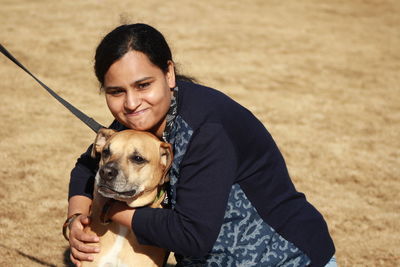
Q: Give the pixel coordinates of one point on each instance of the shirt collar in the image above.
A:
(171, 114)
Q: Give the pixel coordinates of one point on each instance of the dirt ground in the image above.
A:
(322, 75)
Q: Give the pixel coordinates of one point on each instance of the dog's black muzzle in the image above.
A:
(108, 183)
(108, 172)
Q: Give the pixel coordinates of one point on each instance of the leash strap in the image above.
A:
(94, 125)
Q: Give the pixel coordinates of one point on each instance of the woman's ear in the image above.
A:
(170, 75)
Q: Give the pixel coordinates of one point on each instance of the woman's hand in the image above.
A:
(83, 244)
(78, 240)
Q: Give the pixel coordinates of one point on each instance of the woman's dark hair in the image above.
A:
(133, 37)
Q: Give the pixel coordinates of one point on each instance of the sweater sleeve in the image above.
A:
(206, 177)
(82, 175)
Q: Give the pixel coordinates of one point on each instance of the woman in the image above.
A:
(232, 202)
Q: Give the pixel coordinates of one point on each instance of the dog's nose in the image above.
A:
(108, 172)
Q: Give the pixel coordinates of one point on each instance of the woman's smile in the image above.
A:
(136, 113)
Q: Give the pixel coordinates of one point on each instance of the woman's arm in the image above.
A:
(80, 194)
(207, 173)
(79, 204)
(121, 213)
(80, 251)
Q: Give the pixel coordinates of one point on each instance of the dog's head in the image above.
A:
(133, 164)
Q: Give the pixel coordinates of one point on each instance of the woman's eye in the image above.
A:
(143, 85)
(114, 92)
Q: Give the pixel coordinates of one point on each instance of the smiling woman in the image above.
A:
(231, 200)
(138, 93)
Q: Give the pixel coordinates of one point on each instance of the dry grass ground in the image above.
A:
(322, 75)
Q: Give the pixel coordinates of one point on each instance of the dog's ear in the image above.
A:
(166, 158)
(100, 141)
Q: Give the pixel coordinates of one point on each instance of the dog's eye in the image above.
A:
(106, 152)
(138, 159)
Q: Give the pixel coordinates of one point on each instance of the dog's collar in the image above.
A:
(160, 196)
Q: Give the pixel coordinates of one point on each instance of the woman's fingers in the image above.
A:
(84, 220)
(80, 235)
(77, 256)
(77, 233)
(74, 261)
(81, 249)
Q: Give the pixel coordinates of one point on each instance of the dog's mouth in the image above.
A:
(108, 192)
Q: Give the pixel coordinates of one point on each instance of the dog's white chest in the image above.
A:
(111, 258)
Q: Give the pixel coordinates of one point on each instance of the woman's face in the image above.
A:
(138, 93)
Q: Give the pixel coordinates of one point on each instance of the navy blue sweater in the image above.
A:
(233, 201)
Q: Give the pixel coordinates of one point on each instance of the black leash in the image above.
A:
(94, 125)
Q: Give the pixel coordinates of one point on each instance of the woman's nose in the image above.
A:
(132, 100)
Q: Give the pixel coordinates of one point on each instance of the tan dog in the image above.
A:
(133, 167)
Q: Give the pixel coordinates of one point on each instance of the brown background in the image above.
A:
(323, 76)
